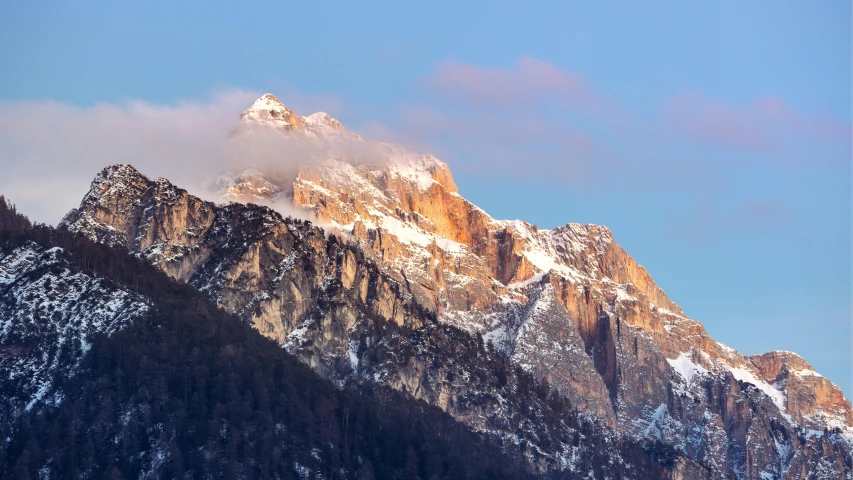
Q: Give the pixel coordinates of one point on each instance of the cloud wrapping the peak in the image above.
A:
(51, 151)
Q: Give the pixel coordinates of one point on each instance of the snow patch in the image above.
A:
(684, 366)
(744, 375)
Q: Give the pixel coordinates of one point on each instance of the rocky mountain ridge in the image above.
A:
(567, 305)
(406, 208)
(334, 308)
(111, 369)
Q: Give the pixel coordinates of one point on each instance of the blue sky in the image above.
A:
(714, 140)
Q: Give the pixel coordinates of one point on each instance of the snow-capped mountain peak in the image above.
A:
(269, 111)
(323, 120)
(568, 305)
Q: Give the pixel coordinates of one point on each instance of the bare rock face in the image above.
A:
(568, 306)
(123, 208)
(324, 299)
(810, 399)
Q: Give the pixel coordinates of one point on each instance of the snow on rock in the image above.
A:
(268, 113)
(744, 375)
(324, 123)
(807, 372)
(622, 294)
(51, 312)
(684, 366)
(268, 110)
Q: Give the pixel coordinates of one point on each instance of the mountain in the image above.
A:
(51, 313)
(110, 369)
(567, 307)
(335, 309)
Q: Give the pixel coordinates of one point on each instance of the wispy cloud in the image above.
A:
(528, 81)
(499, 143)
(528, 120)
(537, 120)
(50, 151)
(522, 120)
(704, 223)
(767, 125)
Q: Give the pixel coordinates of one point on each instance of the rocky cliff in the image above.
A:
(111, 369)
(322, 299)
(568, 306)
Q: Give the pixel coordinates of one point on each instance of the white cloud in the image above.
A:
(50, 151)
